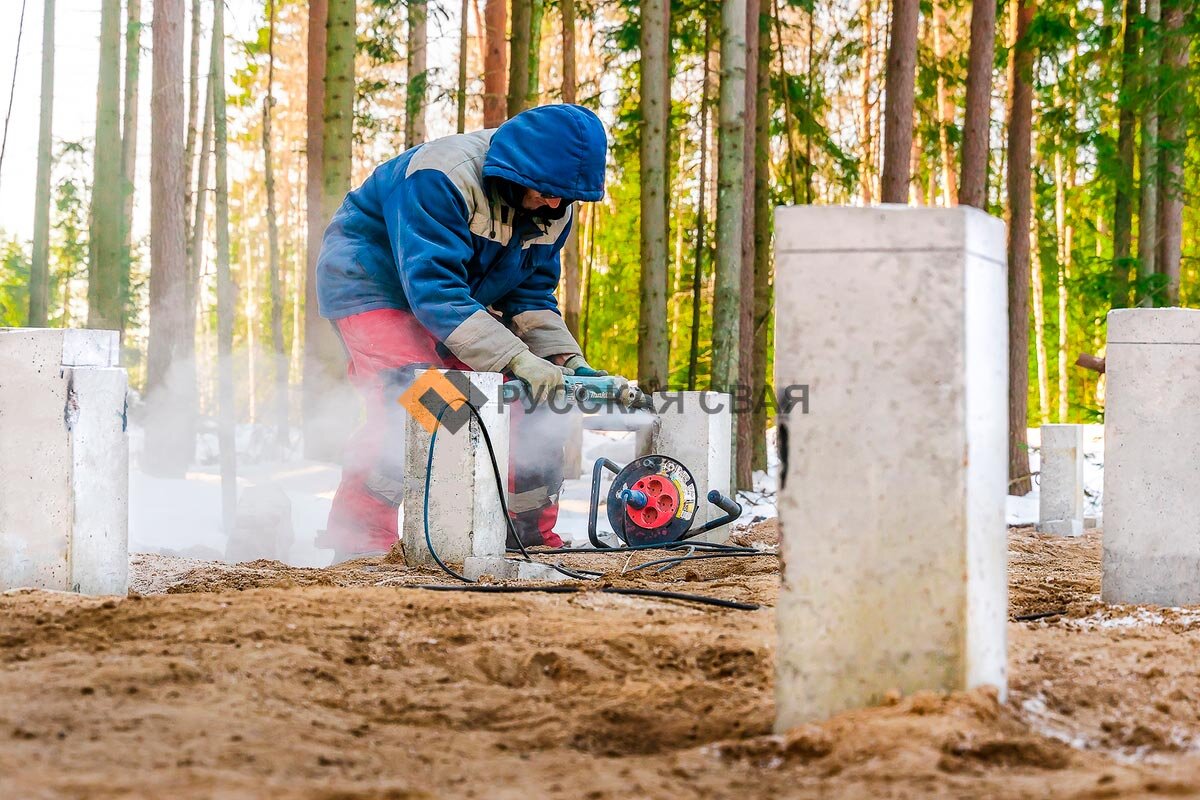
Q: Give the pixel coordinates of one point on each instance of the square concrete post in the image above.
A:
(64, 462)
(695, 429)
(464, 506)
(894, 482)
(573, 450)
(1152, 458)
(1060, 498)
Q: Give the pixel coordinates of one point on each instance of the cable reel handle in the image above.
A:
(727, 504)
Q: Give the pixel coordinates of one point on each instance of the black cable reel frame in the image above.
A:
(653, 501)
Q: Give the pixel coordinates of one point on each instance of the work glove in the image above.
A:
(542, 377)
(578, 365)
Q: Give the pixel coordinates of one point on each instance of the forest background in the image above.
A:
(717, 112)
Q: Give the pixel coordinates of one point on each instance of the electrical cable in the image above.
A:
(676, 560)
(709, 546)
(560, 588)
(487, 439)
(571, 588)
(1039, 615)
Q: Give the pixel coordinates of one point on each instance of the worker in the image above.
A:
(448, 256)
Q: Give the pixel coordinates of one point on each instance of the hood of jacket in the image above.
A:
(558, 150)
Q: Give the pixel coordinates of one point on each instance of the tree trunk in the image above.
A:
(337, 143)
(1122, 232)
(331, 47)
(170, 381)
(810, 89)
(518, 56)
(196, 198)
(39, 269)
(494, 69)
(1176, 46)
(195, 253)
(731, 165)
(193, 121)
(900, 89)
(105, 251)
(318, 439)
(655, 92)
(762, 249)
(1020, 132)
(1065, 250)
(743, 445)
(945, 106)
(570, 254)
(587, 277)
(129, 125)
(418, 74)
(866, 164)
(789, 121)
(463, 41)
(701, 212)
(1148, 200)
(533, 94)
(976, 130)
(225, 289)
(1039, 311)
(282, 436)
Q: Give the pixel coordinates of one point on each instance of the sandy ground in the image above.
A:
(262, 680)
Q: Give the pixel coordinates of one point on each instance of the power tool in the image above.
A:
(652, 501)
(605, 388)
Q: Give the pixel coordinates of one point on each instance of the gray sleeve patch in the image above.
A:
(483, 343)
(546, 333)
(460, 158)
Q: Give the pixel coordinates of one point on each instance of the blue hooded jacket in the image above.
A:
(429, 232)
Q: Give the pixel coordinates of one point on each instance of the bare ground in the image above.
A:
(263, 680)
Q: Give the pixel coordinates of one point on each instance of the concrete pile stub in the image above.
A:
(893, 489)
(1152, 458)
(64, 462)
(1060, 499)
(696, 429)
(465, 517)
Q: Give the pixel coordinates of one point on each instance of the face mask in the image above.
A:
(513, 194)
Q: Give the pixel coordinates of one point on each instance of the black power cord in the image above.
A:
(674, 561)
(473, 586)
(570, 588)
(487, 438)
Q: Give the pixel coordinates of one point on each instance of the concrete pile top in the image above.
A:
(1154, 326)
(79, 347)
(892, 228)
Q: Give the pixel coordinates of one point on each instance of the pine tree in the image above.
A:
(518, 56)
(282, 436)
(494, 64)
(129, 126)
(105, 251)
(655, 93)
(976, 130)
(418, 75)
(169, 382)
(1020, 121)
(39, 272)
(226, 413)
(731, 166)
(901, 86)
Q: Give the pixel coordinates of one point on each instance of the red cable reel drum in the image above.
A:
(652, 501)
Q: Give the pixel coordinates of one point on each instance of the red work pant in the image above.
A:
(361, 520)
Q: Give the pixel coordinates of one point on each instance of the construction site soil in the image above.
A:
(262, 680)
